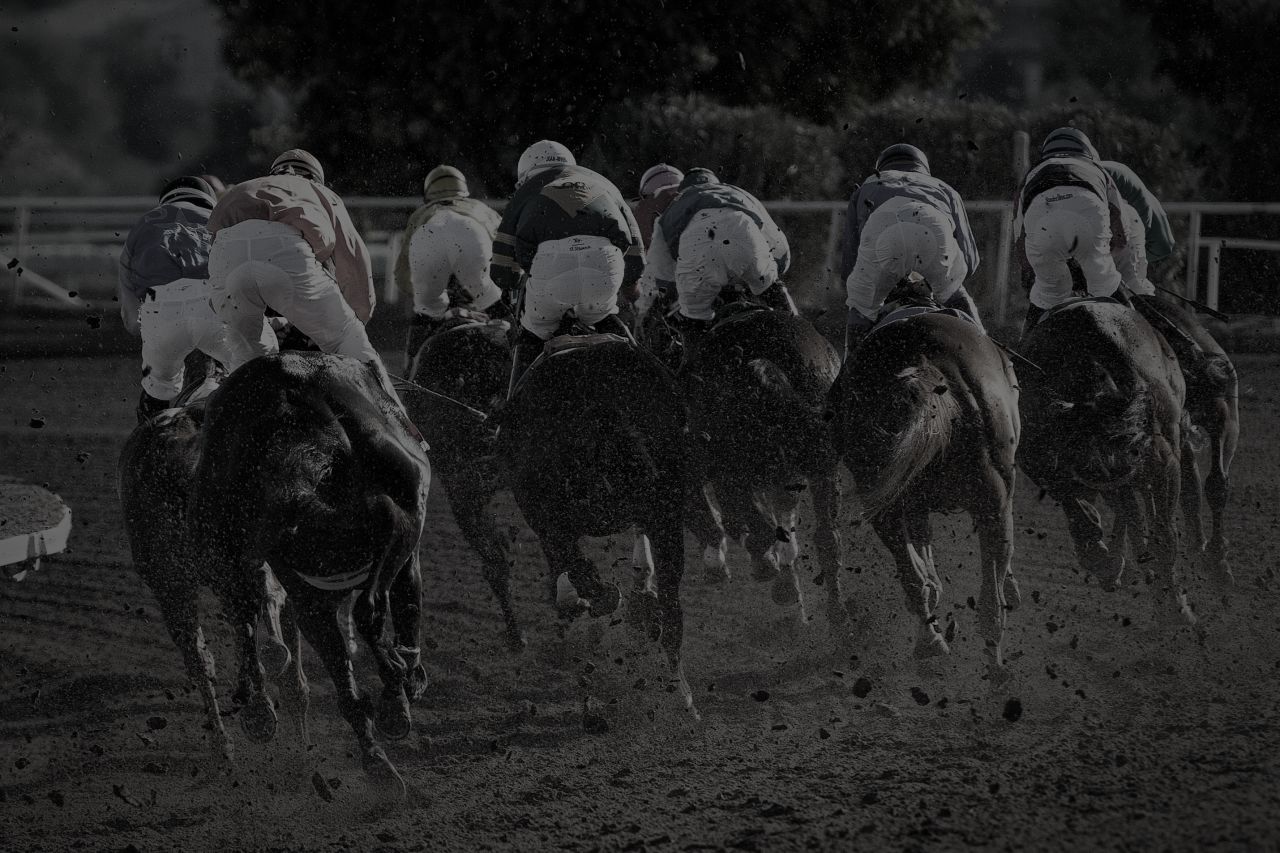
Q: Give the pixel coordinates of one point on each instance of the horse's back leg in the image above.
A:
(390, 593)
(319, 624)
(1084, 523)
(704, 523)
(995, 537)
(469, 495)
(576, 581)
(406, 620)
(745, 520)
(826, 510)
(294, 687)
(1190, 495)
(668, 551)
(179, 607)
(1164, 480)
(893, 528)
(1224, 435)
(784, 504)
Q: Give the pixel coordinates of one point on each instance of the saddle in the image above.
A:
(913, 297)
(1075, 300)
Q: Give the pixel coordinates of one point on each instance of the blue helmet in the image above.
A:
(903, 158)
(1068, 142)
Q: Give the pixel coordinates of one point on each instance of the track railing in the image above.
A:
(43, 230)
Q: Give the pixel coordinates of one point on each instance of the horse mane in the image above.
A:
(917, 416)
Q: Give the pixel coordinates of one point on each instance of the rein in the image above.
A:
(407, 383)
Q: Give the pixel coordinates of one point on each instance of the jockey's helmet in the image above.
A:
(540, 155)
(658, 178)
(1068, 142)
(444, 182)
(189, 189)
(295, 161)
(902, 157)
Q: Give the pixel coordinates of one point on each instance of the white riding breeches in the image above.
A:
(256, 265)
(721, 246)
(579, 274)
(1131, 259)
(900, 237)
(448, 245)
(1061, 224)
(176, 320)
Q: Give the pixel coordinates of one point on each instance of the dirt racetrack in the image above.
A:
(1112, 733)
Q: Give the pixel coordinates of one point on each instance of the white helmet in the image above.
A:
(540, 155)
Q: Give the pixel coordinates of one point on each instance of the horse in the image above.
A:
(155, 475)
(1213, 405)
(308, 463)
(468, 362)
(593, 443)
(756, 388)
(1104, 417)
(924, 415)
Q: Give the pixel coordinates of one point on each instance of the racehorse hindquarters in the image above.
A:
(1108, 421)
(925, 417)
(308, 463)
(757, 389)
(469, 363)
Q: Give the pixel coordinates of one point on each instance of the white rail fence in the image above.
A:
(44, 239)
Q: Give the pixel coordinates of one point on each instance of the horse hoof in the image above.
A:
(516, 641)
(1012, 592)
(383, 773)
(606, 600)
(715, 574)
(275, 658)
(567, 599)
(1108, 569)
(418, 683)
(931, 645)
(786, 589)
(258, 719)
(764, 568)
(394, 721)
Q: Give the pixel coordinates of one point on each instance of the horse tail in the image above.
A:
(1118, 430)
(921, 414)
(617, 444)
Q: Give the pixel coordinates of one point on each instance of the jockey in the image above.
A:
(1069, 208)
(903, 220)
(659, 186)
(573, 233)
(715, 235)
(449, 238)
(1148, 235)
(286, 242)
(164, 295)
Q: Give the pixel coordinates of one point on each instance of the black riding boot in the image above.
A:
(1033, 316)
(691, 334)
(528, 347)
(148, 406)
(777, 297)
(421, 327)
(856, 328)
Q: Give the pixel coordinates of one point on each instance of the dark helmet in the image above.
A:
(295, 161)
(698, 176)
(190, 189)
(903, 158)
(1068, 142)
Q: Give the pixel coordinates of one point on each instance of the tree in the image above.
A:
(384, 96)
(1224, 53)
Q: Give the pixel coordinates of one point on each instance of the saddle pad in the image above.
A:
(566, 343)
(906, 313)
(1075, 300)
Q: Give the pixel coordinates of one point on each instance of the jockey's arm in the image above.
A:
(964, 233)
(130, 305)
(352, 265)
(633, 254)
(659, 268)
